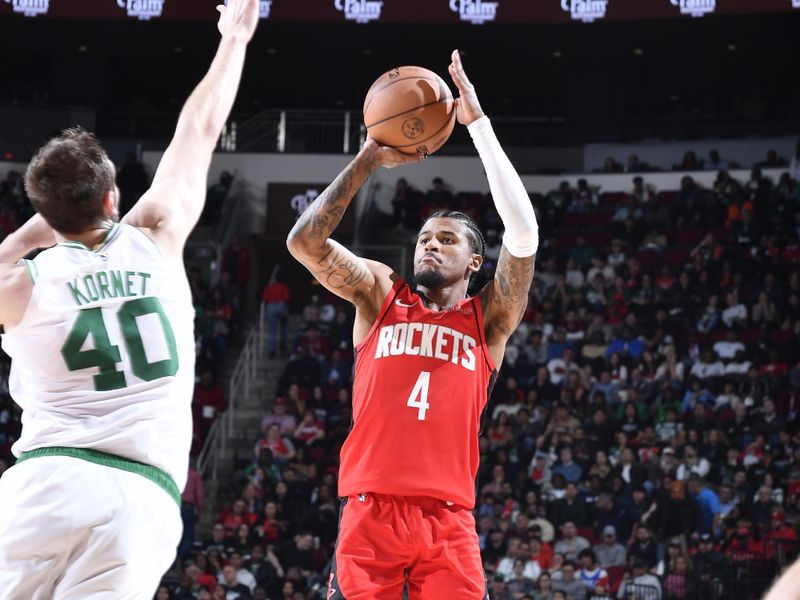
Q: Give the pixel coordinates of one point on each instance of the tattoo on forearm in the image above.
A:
(324, 221)
(320, 219)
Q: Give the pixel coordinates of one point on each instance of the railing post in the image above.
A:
(231, 401)
(347, 132)
(282, 132)
(261, 316)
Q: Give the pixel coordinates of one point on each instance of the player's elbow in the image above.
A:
(297, 244)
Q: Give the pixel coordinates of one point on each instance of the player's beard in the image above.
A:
(430, 278)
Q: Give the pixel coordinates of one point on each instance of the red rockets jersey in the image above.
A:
(422, 380)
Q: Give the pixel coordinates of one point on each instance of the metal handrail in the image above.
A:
(241, 382)
(209, 458)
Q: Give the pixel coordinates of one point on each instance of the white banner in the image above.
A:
(360, 11)
(695, 8)
(585, 10)
(30, 8)
(476, 12)
(265, 6)
(144, 10)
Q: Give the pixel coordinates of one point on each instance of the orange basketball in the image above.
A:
(410, 109)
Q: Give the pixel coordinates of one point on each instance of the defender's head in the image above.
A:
(71, 182)
(450, 249)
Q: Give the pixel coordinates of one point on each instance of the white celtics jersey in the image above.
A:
(104, 355)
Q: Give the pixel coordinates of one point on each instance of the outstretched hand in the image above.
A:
(388, 157)
(238, 19)
(468, 109)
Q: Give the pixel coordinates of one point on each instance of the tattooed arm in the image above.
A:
(363, 282)
(504, 300)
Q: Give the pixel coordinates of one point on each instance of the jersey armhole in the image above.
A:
(31, 268)
(149, 239)
(484, 346)
(387, 304)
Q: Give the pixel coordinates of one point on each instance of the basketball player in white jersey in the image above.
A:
(100, 331)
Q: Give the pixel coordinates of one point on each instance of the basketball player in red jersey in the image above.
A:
(426, 359)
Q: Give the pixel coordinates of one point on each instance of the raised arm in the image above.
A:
(15, 279)
(35, 233)
(363, 282)
(172, 206)
(505, 298)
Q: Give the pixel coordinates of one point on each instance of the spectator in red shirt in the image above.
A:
(310, 429)
(235, 515)
(282, 449)
(209, 402)
(780, 540)
(541, 552)
(236, 260)
(276, 297)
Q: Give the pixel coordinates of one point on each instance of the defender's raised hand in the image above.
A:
(468, 109)
(238, 19)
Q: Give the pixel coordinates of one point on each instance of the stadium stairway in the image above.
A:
(248, 409)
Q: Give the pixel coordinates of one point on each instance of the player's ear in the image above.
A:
(474, 264)
(111, 202)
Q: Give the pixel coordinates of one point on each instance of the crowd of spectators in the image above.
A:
(713, 162)
(641, 441)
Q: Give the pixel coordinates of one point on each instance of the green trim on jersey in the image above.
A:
(30, 267)
(154, 474)
(113, 232)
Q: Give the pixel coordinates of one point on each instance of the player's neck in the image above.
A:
(90, 237)
(442, 298)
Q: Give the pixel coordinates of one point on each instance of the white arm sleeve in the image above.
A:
(521, 236)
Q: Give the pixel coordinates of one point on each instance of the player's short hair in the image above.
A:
(67, 180)
(476, 241)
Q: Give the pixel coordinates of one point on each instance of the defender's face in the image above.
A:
(443, 254)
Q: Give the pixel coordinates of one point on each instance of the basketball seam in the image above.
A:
(433, 135)
(407, 111)
(391, 83)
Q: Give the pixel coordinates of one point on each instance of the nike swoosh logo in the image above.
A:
(404, 305)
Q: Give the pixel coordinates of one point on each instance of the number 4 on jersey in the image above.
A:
(419, 395)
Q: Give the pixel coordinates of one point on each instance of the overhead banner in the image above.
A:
(366, 12)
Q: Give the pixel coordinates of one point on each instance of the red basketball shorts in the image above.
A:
(388, 542)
